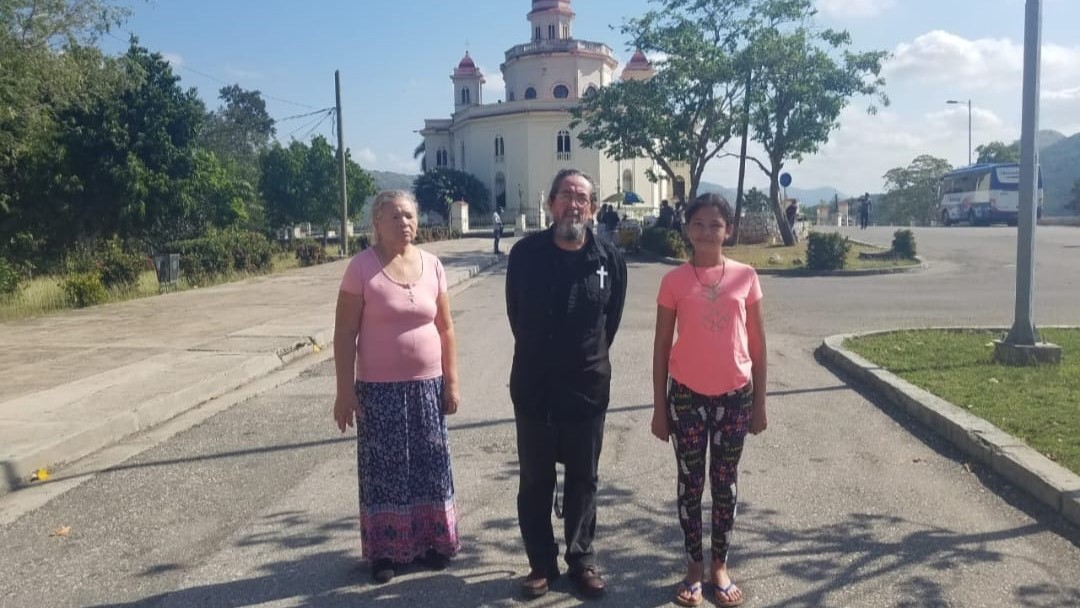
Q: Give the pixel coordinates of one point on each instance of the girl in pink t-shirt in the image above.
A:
(709, 388)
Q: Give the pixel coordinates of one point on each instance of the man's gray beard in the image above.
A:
(570, 231)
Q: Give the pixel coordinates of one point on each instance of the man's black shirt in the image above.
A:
(564, 309)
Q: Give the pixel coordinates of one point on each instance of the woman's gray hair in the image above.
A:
(388, 196)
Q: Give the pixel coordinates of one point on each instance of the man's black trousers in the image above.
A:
(575, 443)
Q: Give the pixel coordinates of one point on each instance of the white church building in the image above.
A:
(517, 146)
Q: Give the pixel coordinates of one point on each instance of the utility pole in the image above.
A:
(740, 196)
(344, 236)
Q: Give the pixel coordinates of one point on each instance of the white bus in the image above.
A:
(983, 194)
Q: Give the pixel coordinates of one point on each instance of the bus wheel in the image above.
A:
(945, 219)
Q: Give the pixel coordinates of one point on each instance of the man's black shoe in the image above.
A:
(589, 582)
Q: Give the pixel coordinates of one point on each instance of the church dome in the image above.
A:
(466, 63)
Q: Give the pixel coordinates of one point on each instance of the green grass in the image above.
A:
(1040, 405)
(765, 256)
(45, 295)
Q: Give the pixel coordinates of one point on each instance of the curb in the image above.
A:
(1042, 478)
(15, 473)
(795, 272)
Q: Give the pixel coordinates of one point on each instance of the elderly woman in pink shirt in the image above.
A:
(709, 387)
(397, 379)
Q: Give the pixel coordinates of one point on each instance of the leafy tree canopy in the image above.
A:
(436, 189)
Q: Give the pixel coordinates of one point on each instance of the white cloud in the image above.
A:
(853, 8)
(366, 156)
(494, 85)
(174, 59)
(986, 63)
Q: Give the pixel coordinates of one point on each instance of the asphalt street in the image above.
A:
(843, 502)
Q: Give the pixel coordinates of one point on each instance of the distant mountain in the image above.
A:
(807, 197)
(1049, 137)
(1061, 168)
(388, 180)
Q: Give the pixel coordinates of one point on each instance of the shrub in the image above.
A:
(826, 251)
(84, 289)
(221, 252)
(429, 234)
(903, 243)
(663, 241)
(118, 268)
(10, 278)
(309, 252)
(250, 251)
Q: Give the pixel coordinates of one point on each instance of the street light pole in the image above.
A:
(1022, 345)
(957, 102)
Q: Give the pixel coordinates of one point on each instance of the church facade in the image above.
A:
(516, 146)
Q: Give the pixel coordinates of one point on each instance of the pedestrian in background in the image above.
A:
(496, 228)
(396, 365)
(709, 387)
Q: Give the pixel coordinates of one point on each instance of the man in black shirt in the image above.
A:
(564, 298)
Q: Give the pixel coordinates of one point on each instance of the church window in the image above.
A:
(462, 167)
(551, 32)
(561, 92)
(536, 33)
(627, 180)
(562, 145)
(510, 96)
(500, 190)
(589, 92)
(440, 158)
(466, 96)
(500, 149)
(530, 93)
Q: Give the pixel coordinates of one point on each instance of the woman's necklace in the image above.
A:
(406, 285)
(712, 292)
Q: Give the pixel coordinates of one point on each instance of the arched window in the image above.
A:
(627, 180)
(592, 90)
(530, 93)
(466, 96)
(561, 92)
(500, 149)
(536, 33)
(562, 145)
(441, 159)
(510, 96)
(551, 32)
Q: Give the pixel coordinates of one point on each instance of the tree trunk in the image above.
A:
(778, 208)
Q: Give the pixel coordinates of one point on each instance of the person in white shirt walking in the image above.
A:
(496, 228)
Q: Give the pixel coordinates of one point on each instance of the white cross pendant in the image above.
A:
(603, 273)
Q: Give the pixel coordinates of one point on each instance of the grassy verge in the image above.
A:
(1036, 404)
(794, 257)
(45, 295)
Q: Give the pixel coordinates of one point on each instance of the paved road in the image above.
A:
(843, 503)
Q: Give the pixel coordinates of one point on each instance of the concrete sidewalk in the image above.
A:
(73, 383)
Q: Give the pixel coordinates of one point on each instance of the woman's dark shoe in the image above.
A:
(382, 571)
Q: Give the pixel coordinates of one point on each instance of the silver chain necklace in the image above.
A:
(713, 291)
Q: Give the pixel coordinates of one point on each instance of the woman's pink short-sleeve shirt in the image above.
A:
(398, 340)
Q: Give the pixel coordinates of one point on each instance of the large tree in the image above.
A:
(911, 193)
(436, 189)
(802, 78)
(998, 152)
(688, 111)
(299, 183)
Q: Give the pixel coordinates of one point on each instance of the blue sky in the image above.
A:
(396, 58)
